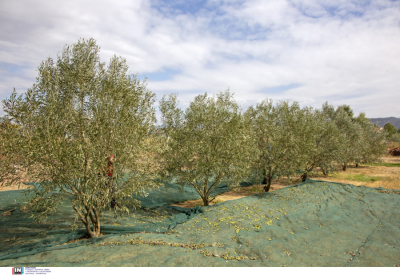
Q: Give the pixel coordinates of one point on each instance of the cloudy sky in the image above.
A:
(343, 52)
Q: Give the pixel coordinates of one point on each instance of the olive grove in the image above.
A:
(85, 132)
(293, 141)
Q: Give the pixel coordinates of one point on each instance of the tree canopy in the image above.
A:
(78, 114)
(277, 136)
(325, 143)
(10, 152)
(207, 144)
(85, 132)
(389, 128)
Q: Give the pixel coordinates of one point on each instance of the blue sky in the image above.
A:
(343, 52)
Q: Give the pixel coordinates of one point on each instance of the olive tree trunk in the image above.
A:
(267, 179)
(206, 201)
(90, 218)
(304, 177)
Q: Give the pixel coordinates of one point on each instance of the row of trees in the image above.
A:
(213, 141)
(80, 112)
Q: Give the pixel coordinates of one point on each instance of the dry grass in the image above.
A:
(367, 175)
(391, 159)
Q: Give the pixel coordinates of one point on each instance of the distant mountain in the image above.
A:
(382, 121)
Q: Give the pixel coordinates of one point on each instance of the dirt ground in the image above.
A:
(236, 193)
(388, 177)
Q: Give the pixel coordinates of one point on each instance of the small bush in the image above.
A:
(394, 137)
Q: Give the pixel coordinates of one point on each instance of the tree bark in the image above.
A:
(268, 185)
(356, 164)
(97, 225)
(205, 201)
(344, 167)
(267, 179)
(304, 177)
(91, 234)
(86, 221)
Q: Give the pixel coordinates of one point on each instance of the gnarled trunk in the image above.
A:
(344, 167)
(267, 179)
(88, 219)
(304, 177)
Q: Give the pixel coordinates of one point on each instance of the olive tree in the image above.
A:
(373, 141)
(207, 144)
(277, 135)
(324, 142)
(77, 114)
(10, 155)
(352, 146)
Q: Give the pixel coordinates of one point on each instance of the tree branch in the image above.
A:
(197, 189)
(79, 214)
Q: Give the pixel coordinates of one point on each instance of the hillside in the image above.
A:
(382, 121)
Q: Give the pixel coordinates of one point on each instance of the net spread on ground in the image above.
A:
(314, 223)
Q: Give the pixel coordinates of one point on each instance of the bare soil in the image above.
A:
(389, 176)
(237, 193)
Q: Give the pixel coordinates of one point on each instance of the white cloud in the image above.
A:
(342, 52)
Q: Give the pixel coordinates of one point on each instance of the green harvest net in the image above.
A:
(21, 235)
(314, 223)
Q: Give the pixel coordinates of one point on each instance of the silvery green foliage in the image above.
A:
(290, 140)
(351, 145)
(278, 135)
(78, 113)
(363, 142)
(324, 141)
(394, 138)
(11, 163)
(373, 141)
(207, 144)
